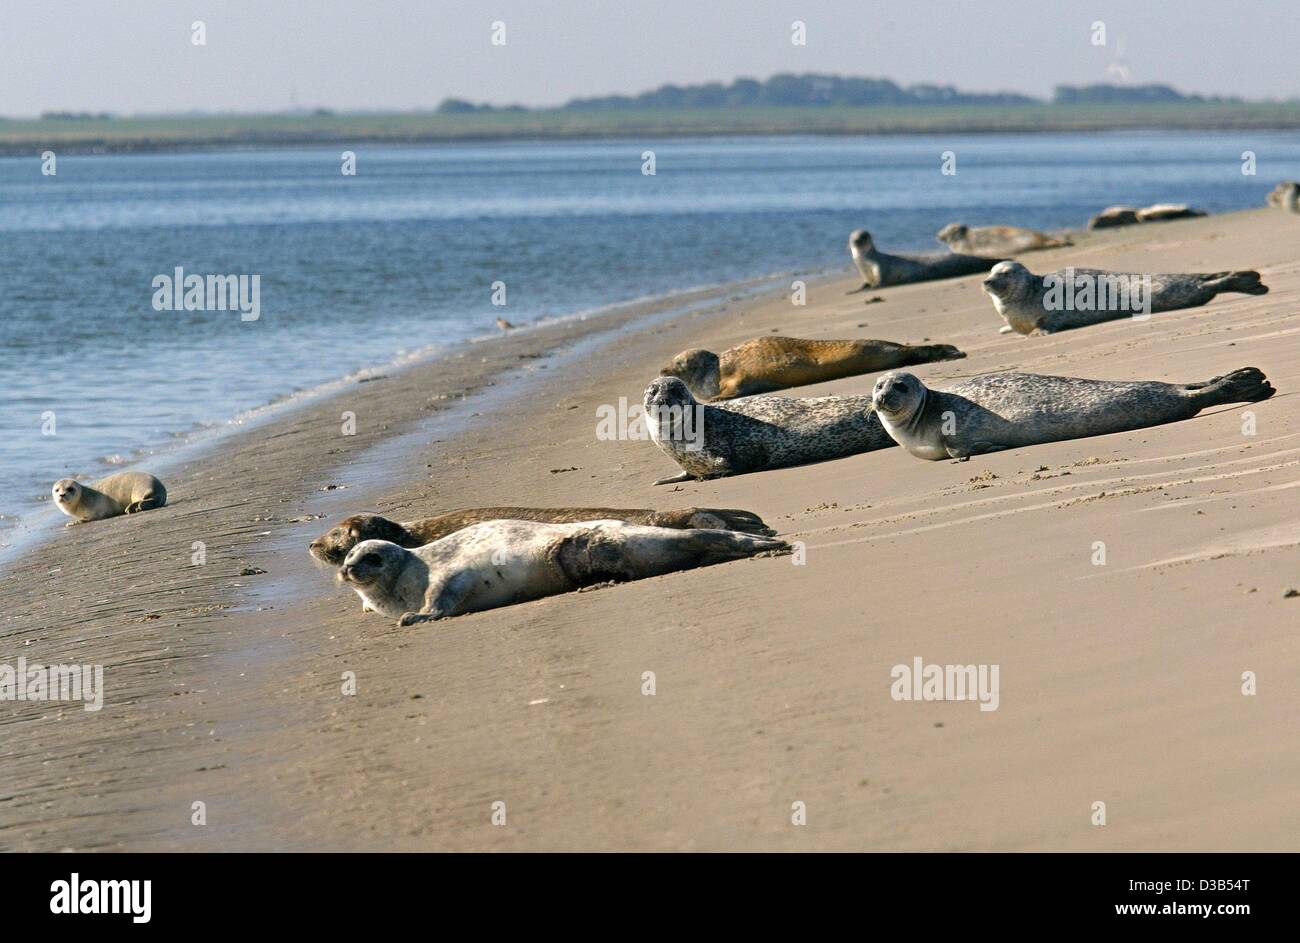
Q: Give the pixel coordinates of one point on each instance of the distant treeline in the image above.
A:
(786, 90)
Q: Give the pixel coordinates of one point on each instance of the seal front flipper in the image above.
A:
(441, 601)
(863, 287)
(976, 448)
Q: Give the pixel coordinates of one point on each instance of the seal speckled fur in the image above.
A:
(879, 269)
(758, 432)
(1009, 410)
(1020, 296)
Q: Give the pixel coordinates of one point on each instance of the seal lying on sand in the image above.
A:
(1113, 216)
(123, 493)
(1162, 212)
(771, 363)
(756, 433)
(879, 269)
(501, 562)
(1286, 195)
(1078, 297)
(1008, 410)
(996, 242)
(333, 546)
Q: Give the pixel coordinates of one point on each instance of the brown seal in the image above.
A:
(765, 364)
(332, 547)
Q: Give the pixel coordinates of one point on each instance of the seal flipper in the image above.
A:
(1247, 282)
(1248, 385)
(448, 599)
(863, 287)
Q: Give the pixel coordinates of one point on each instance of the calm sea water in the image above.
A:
(357, 270)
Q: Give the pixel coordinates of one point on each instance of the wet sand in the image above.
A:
(1119, 683)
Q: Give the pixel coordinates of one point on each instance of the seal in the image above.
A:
(498, 563)
(1009, 410)
(764, 364)
(756, 433)
(879, 269)
(332, 547)
(996, 242)
(123, 493)
(1286, 195)
(1029, 302)
(1163, 212)
(1113, 216)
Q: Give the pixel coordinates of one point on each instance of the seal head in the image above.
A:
(699, 369)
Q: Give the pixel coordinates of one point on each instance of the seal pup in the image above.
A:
(996, 242)
(1029, 302)
(879, 269)
(498, 563)
(122, 493)
(332, 547)
(999, 411)
(764, 364)
(1286, 195)
(756, 433)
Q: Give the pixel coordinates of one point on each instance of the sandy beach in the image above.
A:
(1119, 683)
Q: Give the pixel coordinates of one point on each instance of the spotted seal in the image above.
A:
(764, 364)
(998, 411)
(879, 269)
(1029, 302)
(502, 562)
(756, 433)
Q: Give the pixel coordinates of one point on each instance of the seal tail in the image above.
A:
(1248, 385)
(1246, 282)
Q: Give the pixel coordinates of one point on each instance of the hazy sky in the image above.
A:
(136, 55)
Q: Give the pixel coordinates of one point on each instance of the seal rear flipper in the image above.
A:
(1247, 282)
(147, 504)
(713, 518)
(1247, 385)
(707, 547)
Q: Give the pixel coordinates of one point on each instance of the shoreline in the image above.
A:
(161, 134)
(23, 528)
(773, 680)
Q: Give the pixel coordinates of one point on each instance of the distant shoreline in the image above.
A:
(27, 137)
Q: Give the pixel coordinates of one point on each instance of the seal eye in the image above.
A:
(371, 559)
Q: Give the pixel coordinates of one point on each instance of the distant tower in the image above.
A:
(1117, 69)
